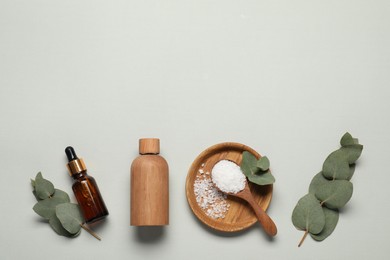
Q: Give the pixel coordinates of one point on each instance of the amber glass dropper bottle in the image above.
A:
(85, 189)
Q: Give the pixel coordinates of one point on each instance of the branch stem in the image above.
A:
(303, 238)
(86, 228)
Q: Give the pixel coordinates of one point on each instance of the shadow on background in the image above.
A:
(149, 234)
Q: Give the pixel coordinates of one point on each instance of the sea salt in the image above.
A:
(228, 176)
(209, 198)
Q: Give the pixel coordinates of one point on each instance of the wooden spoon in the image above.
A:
(267, 223)
(245, 194)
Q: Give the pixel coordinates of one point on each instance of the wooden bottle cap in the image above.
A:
(149, 146)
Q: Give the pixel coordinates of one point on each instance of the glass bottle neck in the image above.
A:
(80, 175)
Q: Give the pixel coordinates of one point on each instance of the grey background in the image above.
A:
(287, 78)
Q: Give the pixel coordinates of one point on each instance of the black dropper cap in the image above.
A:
(75, 165)
(70, 153)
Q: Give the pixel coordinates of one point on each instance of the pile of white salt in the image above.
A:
(228, 177)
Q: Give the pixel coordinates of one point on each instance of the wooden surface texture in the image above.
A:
(240, 215)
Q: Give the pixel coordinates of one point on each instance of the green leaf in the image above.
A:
(249, 164)
(70, 217)
(336, 166)
(43, 188)
(46, 208)
(347, 140)
(335, 194)
(352, 152)
(263, 163)
(48, 200)
(308, 215)
(62, 195)
(262, 179)
(57, 226)
(38, 176)
(249, 167)
(331, 219)
(331, 186)
(33, 183)
(351, 147)
(34, 192)
(316, 182)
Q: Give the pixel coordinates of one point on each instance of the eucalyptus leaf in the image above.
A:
(47, 207)
(57, 226)
(308, 215)
(316, 182)
(335, 194)
(34, 192)
(249, 164)
(336, 166)
(64, 217)
(70, 217)
(331, 187)
(347, 140)
(43, 188)
(33, 185)
(263, 163)
(331, 219)
(38, 176)
(352, 152)
(62, 195)
(262, 179)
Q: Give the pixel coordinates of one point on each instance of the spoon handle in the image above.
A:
(267, 223)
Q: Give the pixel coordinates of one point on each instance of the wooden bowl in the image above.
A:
(240, 215)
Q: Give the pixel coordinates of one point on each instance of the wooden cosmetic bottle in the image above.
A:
(149, 197)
